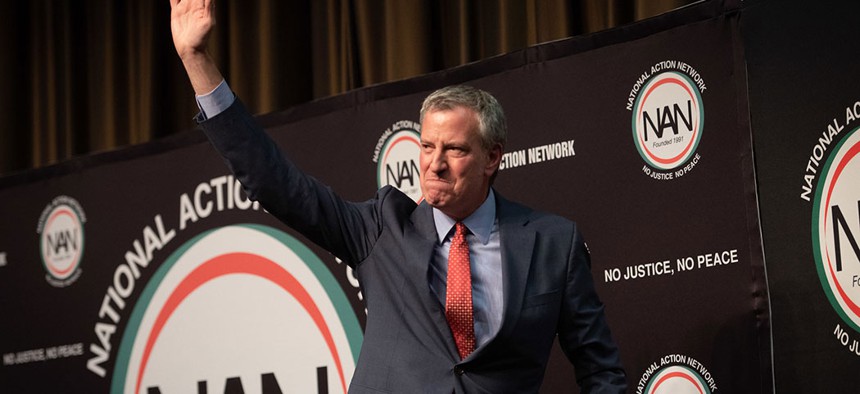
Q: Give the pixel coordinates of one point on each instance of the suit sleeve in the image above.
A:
(583, 332)
(348, 230)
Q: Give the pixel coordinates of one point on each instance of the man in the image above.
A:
(466, 291)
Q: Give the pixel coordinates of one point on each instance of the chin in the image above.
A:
(432, 197)
(433, 202)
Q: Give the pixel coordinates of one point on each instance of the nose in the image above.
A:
(438, 164)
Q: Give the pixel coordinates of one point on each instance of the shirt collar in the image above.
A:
(480, 222)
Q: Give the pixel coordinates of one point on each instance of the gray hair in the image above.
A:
(491, 119)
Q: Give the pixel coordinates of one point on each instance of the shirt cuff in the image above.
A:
(216, 101)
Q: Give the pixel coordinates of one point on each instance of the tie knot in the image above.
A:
(460, 228)
(460, 233)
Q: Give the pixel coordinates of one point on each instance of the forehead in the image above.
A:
(457, 121)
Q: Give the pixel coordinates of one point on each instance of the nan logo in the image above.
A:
(668, 118)
(396, 157)
(241, 308)
(676, 374)
(835, 235)
(61, 240)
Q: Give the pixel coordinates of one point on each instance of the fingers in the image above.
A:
(207, 5)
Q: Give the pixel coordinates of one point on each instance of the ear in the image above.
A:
(494, 156)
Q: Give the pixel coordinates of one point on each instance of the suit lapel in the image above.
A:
(517, 246)
(421, 243)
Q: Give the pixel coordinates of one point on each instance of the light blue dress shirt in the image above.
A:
(484, 247)
(216, 101)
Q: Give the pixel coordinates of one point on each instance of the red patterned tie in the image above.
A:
(458, 298)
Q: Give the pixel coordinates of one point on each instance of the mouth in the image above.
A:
(436, 180)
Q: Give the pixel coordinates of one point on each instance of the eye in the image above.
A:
(458, 150)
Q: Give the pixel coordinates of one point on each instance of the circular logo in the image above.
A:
(676, 374)
(398, 162)
(61, 240)
(667, 120)
(677, 379)
(835, 230)
(247, 303)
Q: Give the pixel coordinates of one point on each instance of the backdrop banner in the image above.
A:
(804, 92)
(148, 270)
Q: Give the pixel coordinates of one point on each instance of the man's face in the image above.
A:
(455, 169)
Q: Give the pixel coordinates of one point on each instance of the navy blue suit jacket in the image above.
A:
(388, 240)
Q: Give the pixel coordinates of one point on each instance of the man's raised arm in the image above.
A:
(191, 21)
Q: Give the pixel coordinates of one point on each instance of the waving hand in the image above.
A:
(191, 21)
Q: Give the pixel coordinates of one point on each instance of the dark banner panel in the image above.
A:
(805, 104)
(152, 272)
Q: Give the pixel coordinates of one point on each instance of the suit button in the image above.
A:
(459, 371)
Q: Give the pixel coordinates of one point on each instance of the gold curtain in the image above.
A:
(91, 75)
